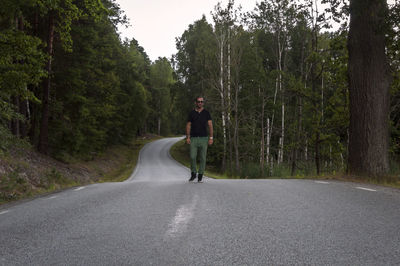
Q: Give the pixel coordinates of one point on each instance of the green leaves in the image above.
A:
(21, 62)
(21, 65)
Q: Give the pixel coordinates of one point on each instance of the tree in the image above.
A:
(226, 32)
(277, 18)
(21, 65)
(161, 80)
(59, 16)
(369, 82)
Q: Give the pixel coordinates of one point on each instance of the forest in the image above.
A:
(294, 89)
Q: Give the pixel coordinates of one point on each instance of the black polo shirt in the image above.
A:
(199, 123)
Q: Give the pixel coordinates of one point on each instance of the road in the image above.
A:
(158, 218)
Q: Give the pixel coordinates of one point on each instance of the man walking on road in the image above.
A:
(197, 137)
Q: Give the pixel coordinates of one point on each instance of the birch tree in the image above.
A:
(224, 20)
(277, 17)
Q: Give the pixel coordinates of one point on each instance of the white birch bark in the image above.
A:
(262, 140)
(281, 139)
(223, 117)
(268, 141)
(229, 77)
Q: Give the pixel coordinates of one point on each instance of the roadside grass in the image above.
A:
(115, 164)
(125, 157)
(180, 152)
(14, 186)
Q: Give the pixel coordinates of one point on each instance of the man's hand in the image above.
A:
(188, 126)
(210, 127)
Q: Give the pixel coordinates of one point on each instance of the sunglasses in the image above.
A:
(200, 101)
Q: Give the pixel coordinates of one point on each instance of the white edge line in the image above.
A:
(321, 182)
(79, 188)
(367, 189)
(4, 212)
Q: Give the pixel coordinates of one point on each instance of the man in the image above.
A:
(197, 137)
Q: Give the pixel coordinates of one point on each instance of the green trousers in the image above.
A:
(198, 146)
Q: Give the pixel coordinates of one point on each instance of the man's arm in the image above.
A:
(210, 127)
(188, 125)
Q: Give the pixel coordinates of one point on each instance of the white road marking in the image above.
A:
(3, 212)
(367, 189)
(183, 215)
(53, 197)
(321, 182)
(79, 188)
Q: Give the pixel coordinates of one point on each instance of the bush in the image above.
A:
(250, 171)
(12, 186)
(52, 179)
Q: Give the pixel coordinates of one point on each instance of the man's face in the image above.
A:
(199, 102)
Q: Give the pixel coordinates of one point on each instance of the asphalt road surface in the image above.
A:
(158, 218)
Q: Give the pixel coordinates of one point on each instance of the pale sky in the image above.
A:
(156, 23)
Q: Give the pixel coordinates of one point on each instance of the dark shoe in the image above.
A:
(193, 177)
(199, 178)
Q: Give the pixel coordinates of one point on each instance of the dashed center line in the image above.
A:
(181, 220)
(321, 182)
(79, 188)
(53, 197)
(367, 189)
(3, 212)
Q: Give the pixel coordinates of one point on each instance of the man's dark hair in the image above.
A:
(198, 98)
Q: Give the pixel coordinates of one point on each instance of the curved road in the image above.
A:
(158, 218)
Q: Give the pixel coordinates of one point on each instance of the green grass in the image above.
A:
(127, 156)
(14, 186)
(116, 164)
(180, 152)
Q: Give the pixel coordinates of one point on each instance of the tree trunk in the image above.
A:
(315, 101)
(23, 102)
(270, 126)
(222, 96)
(44, 126)
(24, 110)
(297, 142)
(268, 141)
(159, 126)
(32, 108)
(317, 154)
(281, 139)
(236, 131)
(299, 114)
(15, 123)
(228, 85)
(229, 102)
(262, 141)
(369, 82)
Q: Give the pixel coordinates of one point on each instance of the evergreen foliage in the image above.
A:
(274, 79)
(98, 88)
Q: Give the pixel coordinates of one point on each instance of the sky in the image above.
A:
(156, 23)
